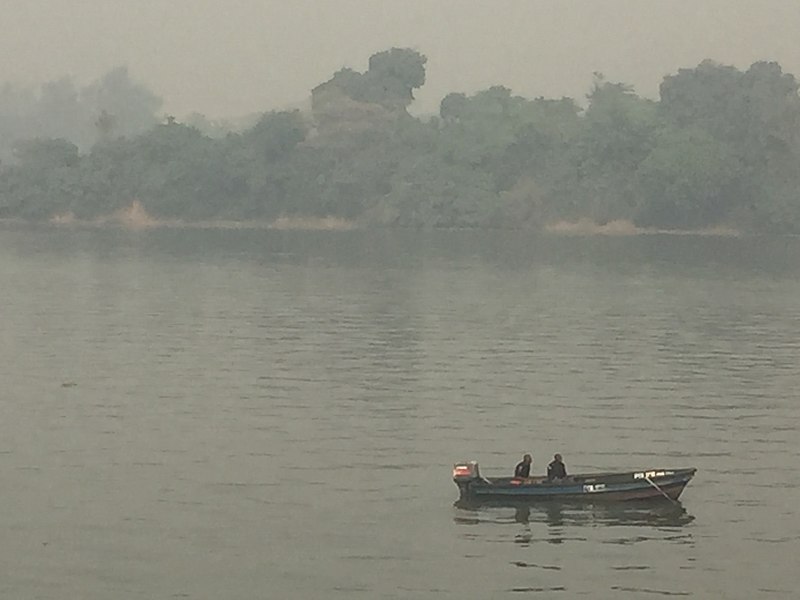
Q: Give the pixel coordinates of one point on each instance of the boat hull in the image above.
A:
(664, 484)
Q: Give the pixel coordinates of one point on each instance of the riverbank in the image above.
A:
(135, 217)
(624, 228)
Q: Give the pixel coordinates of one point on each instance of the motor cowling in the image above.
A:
(466, 471)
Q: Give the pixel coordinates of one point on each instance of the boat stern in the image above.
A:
(464, 475)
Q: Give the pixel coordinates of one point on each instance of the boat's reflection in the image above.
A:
(555, 514)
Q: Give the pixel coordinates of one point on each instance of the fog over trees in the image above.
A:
(720, 147)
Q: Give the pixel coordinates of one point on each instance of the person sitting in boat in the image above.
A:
(556, 469)
(523, 469)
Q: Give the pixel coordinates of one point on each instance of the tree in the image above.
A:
(44, 180)
(757, 114)
(453, 107)
(393, 76)
(705, 96)
(429, 193)
(616, 134)
(132, 106)
(276, 134)
(758, 111)
(390, 81)
(59, 113)
(689, 180)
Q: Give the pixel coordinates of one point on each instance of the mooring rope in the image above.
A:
(653, 483)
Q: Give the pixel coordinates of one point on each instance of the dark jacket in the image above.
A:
(522, 470)
(556, 470)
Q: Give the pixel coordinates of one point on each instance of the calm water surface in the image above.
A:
(243, 415)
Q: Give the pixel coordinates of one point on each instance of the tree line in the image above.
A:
(720, 147)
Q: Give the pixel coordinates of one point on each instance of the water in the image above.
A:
(240, 415)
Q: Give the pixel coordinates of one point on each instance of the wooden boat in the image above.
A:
(666, 484)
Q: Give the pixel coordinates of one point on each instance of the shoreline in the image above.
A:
(622, 227)
(135, 217)
(559, 228)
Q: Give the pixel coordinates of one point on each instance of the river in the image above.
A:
(233, 414)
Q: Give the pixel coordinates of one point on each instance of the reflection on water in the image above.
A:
(557, 523)
(556, 514)
(539, 535)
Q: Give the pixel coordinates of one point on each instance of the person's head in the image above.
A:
(527, 459)
(557, 457)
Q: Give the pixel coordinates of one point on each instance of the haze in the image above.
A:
(234, 57)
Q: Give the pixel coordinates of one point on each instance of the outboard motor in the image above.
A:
(464, 474)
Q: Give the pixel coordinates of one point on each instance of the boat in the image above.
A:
(665, 484)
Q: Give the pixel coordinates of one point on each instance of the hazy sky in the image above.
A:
(232, 57)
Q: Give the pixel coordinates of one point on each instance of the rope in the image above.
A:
(653, 483)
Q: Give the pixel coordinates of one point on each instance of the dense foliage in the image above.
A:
(721, 147)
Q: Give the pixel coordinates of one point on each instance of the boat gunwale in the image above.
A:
(587, 478)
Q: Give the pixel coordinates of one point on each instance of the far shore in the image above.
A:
(625, 228)
(296, 223)
(134, 217)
